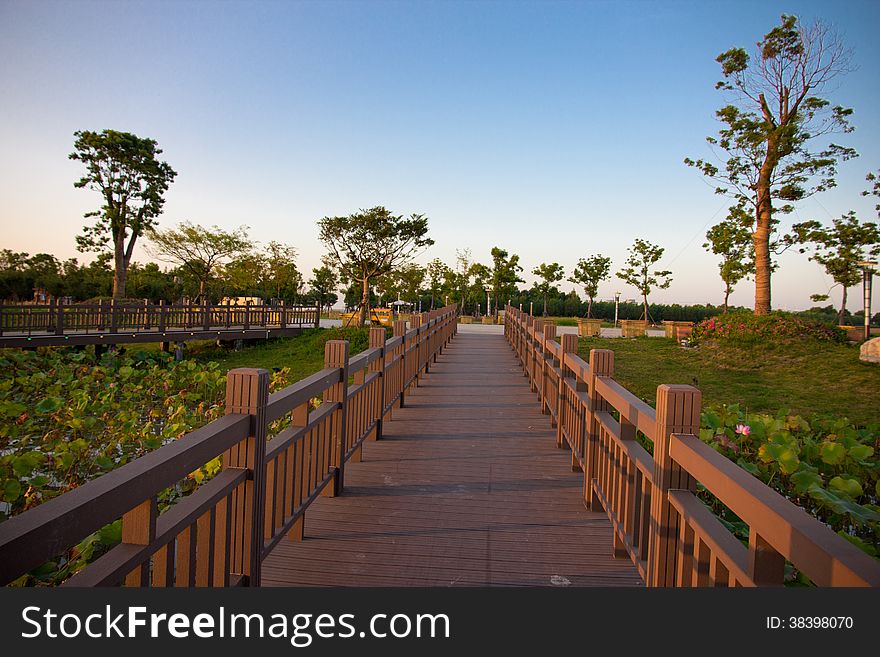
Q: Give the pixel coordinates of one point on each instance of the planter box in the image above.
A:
(632, 328)
(465, 319)
(672, 328)
(588, 328)
(488, 319)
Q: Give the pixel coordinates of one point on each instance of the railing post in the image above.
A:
(247, 314)
(59, 322)
(377, 341)
(399, 328)
(568, 345)
(298, 418)
(766, 565)
(282, 320)
(601, 364)
(546, 363)
(678, 411)
(139, 528)
(113, 315)
(247, 393)
(207, 318)
(317, 314)
(336, 355)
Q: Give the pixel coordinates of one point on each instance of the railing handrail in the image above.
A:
(684, 543)
(820, 553)
(239, 438)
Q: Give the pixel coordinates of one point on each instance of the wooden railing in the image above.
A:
(220, 534)
(57, 318)
(659, 523)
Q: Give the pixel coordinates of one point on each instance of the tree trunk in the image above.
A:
(202, 291)
(365, 303)
(545, 305)
(645, 302)
(120, 271)
(590, 308)
(726, 296)
(842, 314)
(761, 235)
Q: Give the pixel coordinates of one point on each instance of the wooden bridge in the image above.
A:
(436, 460)
(59, 324)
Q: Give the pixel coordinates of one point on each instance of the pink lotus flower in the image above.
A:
(743, 429)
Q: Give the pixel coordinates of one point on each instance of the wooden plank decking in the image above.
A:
(467, 487)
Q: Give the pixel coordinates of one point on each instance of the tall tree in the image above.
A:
(548, 275)
(462, 276)
(438, 275)
(642, 257)
(199, 251)
(504, 275)
(588, 273)
(371, 243)
(840, 248)
(283, 276)
(775, 117)
(732, 241)
(125, 170)
(323, 285)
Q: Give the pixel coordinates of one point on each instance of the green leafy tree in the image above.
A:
(371, 243)
(732, 241)
(323, 285)
(642, 257)
(840, 248)
(504, 275)
(548, 275)
(874, 180)
(245, 275)
(198, 251)
(438, 275)
(588, 273)
(125, 170)
(768, 129)
(282, 275)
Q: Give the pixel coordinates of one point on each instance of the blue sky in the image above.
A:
(554, 130)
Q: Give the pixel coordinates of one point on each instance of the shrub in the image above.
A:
(745, 327)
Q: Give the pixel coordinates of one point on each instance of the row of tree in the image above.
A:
(199, 273)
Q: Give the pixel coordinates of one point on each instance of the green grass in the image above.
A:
(303, 354)
(809, 378)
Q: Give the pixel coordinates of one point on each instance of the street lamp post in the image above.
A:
(616, 307)
(867, 274)
(488, 304)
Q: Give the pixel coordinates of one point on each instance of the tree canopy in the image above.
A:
(588, 273)
(372, 243)
(199, 251)
(642, 257)
(124, 169)
(732, 241)
(548, 274)
(768, 132)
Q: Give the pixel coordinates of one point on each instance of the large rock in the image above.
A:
(870, 351)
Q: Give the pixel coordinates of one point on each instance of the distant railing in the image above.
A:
(57, 318)
(659, 523)
(220, 534)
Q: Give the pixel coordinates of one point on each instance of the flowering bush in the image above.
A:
(828, 467)
(747, 327)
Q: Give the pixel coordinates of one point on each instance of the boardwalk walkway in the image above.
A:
(467, 487)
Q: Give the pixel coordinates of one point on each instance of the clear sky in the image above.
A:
(554, 130)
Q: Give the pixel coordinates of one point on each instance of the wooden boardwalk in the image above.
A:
(466, 488)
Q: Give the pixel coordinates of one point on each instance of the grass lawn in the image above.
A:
(303, 354)
(809, 378)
